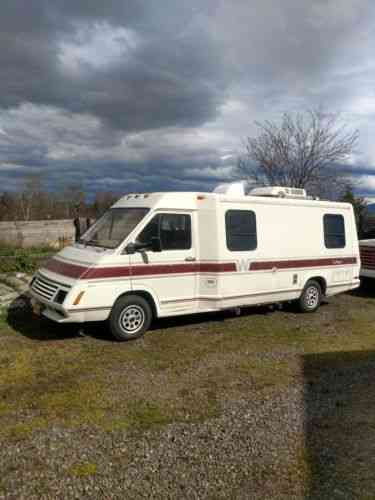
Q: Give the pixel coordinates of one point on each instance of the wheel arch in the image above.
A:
(321, 280)
(145, 294)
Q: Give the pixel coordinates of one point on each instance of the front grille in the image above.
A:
(48, 289)
(60, 297)
(367, 257)
(44, 287)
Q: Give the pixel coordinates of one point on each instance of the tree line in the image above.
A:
(308, 149)
(34, 202)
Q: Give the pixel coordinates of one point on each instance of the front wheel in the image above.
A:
(130, 317)
(311, 297)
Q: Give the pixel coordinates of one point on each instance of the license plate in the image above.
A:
(37, 309)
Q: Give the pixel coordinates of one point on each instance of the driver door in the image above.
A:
(171, 274)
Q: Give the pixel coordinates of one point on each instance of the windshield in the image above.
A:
(115, 225)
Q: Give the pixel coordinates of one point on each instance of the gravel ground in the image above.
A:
(252, 450)
(293, 413)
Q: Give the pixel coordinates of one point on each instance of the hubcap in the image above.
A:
(132, 319)
(312, 297)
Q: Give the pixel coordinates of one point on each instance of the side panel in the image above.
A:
(302, 253)
(367, 250)
(290, 250)
(105, 284)
(241, 286)
(170, 275)
(209, 256)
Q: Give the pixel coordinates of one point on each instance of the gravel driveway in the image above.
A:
(272, 404)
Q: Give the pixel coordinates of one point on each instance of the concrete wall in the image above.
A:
(55, 233)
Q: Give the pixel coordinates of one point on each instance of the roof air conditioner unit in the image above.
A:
(279, 192)
(231, 188)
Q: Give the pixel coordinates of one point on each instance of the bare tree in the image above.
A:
(74, 198)
(30, 195)
(7, 206)
(102, 201)
(305, 150)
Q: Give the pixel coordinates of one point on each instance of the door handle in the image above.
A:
(190, 259)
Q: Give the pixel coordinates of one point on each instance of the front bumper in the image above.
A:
(53, 311)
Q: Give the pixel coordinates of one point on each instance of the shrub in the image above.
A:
(24, 260)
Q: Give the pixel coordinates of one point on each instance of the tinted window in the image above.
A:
(174, 231)
(151, 230)
(241, 230)
(334, 231)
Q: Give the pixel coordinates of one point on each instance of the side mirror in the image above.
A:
(130, 248)
(156, 244)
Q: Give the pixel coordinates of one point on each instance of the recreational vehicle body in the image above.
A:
(367, 253)
(173, 253)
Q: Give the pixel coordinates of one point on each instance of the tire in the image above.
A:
(367, 283)
(130, 317)
(311, 297)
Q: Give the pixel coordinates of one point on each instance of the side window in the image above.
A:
(334, 231)
(174, 231)
(241, 230)
(151, 230)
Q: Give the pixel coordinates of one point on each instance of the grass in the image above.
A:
(180, 372)
(26, 260)
(13, 251)
(83, 469)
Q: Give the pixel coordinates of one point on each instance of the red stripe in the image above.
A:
(80, 272)
(153, 269)
(217, 267)
(288, 264)
(65, 269)
(107, 272)
(367, 257)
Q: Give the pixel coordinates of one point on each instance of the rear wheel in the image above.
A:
(311, 297)
(130, 317)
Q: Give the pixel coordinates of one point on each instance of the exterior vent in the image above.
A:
(279, 192)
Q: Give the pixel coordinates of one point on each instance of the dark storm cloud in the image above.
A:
(168, 76)
(138, 95)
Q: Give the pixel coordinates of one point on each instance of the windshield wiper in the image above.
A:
(96, 243)
(93, 243)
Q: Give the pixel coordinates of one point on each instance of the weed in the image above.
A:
(83, 469)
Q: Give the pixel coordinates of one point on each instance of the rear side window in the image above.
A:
(241, 230)
(174, 231)
(334, 231)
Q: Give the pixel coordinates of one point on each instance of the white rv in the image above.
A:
(166, 254)
(367, 252)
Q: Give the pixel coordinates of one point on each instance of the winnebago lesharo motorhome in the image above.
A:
(165, 254)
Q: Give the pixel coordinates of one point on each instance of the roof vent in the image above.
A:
(279, 192)
(231, 188)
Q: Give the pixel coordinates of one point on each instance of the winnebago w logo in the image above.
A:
(242, 265)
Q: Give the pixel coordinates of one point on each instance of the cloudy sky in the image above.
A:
(141, 95)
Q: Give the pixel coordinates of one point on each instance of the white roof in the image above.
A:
(193, 200)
